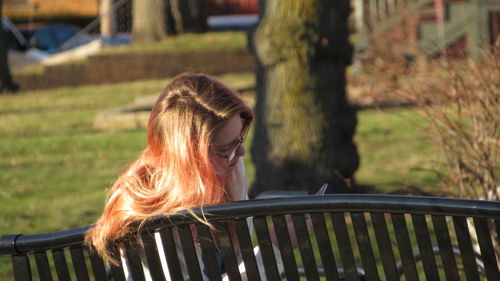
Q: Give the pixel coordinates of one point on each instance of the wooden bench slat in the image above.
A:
(285, 246)
(79, 264)
(466, 249)
(98, 267)
(385, 246)
(325, 247)
(365, 247)
(228, 253)
(425, 247)
(305, 247)
(170, 250)
(117, 272)
(266, 248)
(134, 260)
(487, 249)
(43, 267)
(404, 247)
(21, 268)
(344, 244)
(247, 249)
(190, 255)
(445, 248)
(208, 250)
(497, 227)
(61, 265)
(152, 256)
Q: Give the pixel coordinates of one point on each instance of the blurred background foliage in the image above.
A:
(423, 120)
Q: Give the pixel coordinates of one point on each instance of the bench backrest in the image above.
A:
(380, 237)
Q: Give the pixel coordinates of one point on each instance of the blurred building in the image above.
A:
(233, 7)
(37, 8)
(46, 8)
(431, 27)
(413, 27)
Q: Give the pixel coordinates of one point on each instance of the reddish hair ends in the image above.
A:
(174, 172)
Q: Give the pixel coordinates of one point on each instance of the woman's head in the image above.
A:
(195, 132)
(190, 118)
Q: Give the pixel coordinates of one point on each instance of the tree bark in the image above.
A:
(148, 21)
(108, 27)
(6, 83)
(154, 19)
(195, 14)
(187, 16)
(304, 125)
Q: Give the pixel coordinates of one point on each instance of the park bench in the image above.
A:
(352, 237)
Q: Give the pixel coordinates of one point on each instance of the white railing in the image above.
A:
(380, 15)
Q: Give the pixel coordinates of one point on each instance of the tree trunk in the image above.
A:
(195, 14)
(107, 18)
(187, 16)
(6, 83)
(304, 125)
(148, 21)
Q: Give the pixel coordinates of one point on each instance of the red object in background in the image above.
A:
(494, 18)
(232, 7)
(458, 50)
(438, 8)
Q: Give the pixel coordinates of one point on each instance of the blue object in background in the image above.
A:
(50, 38)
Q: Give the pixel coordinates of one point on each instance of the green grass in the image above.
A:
(396, 154)
(55, 167)
(188, 42)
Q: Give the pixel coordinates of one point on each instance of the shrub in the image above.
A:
(462, 106)
(461, 102)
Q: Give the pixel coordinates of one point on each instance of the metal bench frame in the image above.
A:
(351, 235)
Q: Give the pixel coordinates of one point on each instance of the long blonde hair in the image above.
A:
(174, 172)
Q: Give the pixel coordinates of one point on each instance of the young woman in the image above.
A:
(193, 158)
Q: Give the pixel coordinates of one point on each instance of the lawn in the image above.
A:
(55, 167)
(187, 42)
(397, 156)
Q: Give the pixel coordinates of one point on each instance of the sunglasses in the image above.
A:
(232, 154)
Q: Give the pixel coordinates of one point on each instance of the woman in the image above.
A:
(193, 158)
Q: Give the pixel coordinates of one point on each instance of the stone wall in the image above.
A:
(100, 69)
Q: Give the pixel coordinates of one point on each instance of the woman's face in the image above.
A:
(227, 148)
